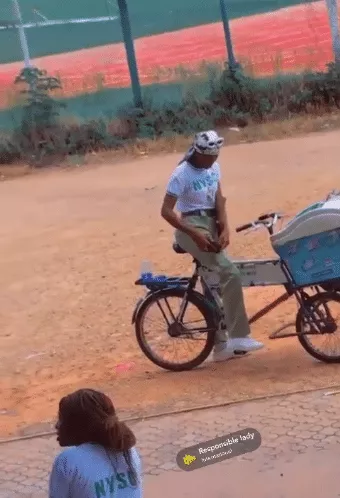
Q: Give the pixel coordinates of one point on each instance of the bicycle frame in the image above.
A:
(252, 276)
(254, 273)
(313, 315)
(212, 296)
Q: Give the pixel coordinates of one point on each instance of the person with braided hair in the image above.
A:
(101, 459)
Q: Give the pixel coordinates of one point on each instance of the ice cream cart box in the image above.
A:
(310, 244)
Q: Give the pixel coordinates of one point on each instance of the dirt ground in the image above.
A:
(71, 245)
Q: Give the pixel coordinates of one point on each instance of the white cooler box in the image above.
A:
(310, 243)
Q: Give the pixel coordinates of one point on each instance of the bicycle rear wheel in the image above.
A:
(195, 336)
(325, 310)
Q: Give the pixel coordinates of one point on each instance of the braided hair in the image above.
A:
(88, 416)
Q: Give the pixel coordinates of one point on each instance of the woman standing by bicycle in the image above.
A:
(202, 230)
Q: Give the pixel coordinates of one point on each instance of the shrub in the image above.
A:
(318, 91)
(234, 98)
(9, 150)
(40, 114)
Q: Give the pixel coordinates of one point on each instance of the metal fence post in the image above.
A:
(130, 52)
(22, 34)
(233, 64)
(332, 8)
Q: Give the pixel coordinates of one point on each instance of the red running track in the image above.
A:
(289, 39)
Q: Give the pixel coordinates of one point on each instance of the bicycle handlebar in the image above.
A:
(268, 220)
(241, 228)
(266, 216)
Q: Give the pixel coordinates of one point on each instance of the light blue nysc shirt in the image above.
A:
(86, 471)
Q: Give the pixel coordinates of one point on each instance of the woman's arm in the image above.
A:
(202, 240)
(168, 213)
(174, 190)
(220, 204)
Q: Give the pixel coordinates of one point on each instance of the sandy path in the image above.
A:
(71, 244)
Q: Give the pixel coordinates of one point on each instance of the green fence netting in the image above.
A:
(147, 17)
(97, 85)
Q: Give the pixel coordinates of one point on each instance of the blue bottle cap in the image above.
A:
(146, 276)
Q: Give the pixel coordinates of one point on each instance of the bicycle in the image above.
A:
(313, 316)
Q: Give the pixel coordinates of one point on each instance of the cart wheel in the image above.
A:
(191, 339)
(324, 309)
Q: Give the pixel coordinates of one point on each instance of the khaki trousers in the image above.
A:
(229, 277)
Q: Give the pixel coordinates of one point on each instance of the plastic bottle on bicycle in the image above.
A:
(146, 271)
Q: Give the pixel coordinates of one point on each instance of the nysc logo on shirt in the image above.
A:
(107, 486)
(207, 181)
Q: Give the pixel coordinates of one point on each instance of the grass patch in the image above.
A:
(294, 127)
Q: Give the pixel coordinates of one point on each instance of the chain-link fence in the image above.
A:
(147, 18)
(81, 42)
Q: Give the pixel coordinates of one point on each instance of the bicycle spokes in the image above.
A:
(174, 328)
(319, 333)
(320, 319)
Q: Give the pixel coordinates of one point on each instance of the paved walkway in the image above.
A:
(299, 453)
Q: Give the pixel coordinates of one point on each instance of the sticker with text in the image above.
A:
(219, 449)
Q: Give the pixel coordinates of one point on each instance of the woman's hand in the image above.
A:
(224, 239)
(204, 242)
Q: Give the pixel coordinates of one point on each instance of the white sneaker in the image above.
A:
(245, 344)
(236, 348)
(224, 352)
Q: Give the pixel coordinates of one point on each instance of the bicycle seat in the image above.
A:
(178, 249)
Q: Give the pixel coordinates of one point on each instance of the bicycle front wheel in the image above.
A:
(176, 329)
(319, 333)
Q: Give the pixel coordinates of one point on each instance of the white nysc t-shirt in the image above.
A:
(194, 188)
(88, 471)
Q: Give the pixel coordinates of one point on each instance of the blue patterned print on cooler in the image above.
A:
(313, 259)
